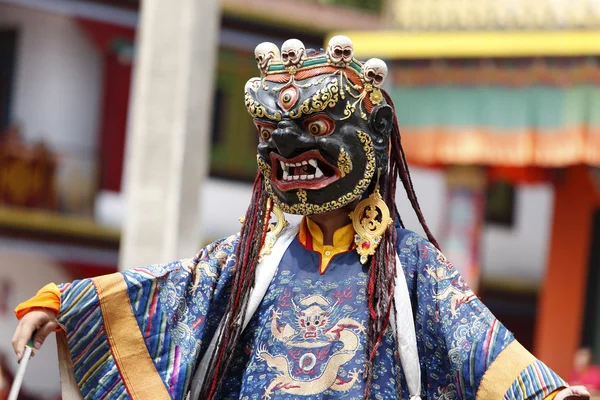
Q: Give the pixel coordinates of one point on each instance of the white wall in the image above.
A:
(521, 251)
(518, 253)
(430, 187)
(57, 89)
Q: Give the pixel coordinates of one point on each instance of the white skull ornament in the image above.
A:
(293, 53)
(340, 51)
(265, 53)
(374, 72)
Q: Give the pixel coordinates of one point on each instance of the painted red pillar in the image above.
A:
(562, 297)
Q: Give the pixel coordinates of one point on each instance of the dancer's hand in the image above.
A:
(42, 321)
(573, 393)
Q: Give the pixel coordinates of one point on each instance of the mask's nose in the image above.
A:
(290, 140)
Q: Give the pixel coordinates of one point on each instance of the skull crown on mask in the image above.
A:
(264, 54)
(293, 53)
(340, 51)
(318, 146)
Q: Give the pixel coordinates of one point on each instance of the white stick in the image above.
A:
(18, 381)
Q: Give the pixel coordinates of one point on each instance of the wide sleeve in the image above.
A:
(138, 333)
(463, 348)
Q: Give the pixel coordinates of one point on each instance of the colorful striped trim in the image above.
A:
(81, 317)
(481, 145)
(126, 342)
(503, 371)
(312, 62)
(537, 381)
(522, 73)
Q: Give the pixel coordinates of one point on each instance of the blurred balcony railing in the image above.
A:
(453, 15)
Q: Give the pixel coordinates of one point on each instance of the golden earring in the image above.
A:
(370, 220)
(273, 230)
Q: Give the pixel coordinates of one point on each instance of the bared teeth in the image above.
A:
(288, 173)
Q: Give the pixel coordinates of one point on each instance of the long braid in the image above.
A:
(381, 284)
(397, 153)
(251, 240)
(382, 272)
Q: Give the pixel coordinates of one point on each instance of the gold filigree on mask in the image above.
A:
(315, 83)
(273, 231)
(264, 167)
(302, 195)
(304, 208)
(344, 163)
(325, 98)
(257, 110)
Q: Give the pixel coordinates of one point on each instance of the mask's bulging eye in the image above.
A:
(264, 130)
(319, 125)
(265, 134)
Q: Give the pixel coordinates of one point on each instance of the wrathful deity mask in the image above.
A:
(322, 123)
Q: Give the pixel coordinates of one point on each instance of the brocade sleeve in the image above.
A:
(139, 332)
(465, 352)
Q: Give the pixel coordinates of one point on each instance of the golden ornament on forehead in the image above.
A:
(370, 220)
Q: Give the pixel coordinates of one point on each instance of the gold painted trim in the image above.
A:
(403, 45)
(126, 342)
(304, 208)
(504, 370)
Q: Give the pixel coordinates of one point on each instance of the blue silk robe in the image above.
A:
(138, 333)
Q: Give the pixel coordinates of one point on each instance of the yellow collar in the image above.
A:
(311, 237)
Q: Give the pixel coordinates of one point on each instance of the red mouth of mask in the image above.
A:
(309, 170)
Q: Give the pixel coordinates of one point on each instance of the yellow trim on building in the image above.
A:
(405, 45)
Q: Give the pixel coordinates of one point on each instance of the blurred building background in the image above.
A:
(498, 103)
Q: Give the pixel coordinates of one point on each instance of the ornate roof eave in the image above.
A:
(311, 16)
(392, 45)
